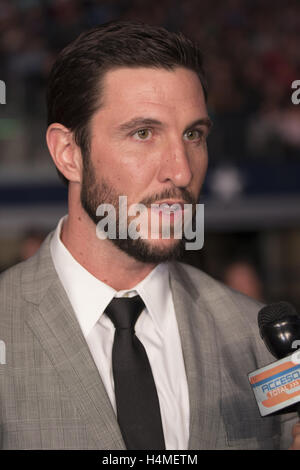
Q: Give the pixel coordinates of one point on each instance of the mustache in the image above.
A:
(182, 194)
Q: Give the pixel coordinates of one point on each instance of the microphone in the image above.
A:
(276, 386)
(279, 326)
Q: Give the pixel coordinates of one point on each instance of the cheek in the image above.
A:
(130, 169)
(200, 160)
(129, 178)
(136, 166)
(204, 165)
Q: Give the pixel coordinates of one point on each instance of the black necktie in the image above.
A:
(136, 396)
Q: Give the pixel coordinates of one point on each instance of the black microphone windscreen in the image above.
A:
(275, 312)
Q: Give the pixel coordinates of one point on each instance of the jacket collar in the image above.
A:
(55, 324)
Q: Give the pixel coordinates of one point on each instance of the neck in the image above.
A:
(101, 258)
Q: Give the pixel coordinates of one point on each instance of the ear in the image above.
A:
(65, 152)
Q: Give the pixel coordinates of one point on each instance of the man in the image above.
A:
(127, 117)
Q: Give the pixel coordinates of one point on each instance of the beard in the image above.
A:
(94, 193)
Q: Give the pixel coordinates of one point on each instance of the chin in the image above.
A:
(152, 251)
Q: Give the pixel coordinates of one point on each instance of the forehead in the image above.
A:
(165, 90)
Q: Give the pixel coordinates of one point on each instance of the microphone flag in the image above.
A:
(277, 385)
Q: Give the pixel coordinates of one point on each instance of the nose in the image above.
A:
(175, 165)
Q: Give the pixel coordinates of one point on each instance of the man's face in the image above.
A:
(148, 142)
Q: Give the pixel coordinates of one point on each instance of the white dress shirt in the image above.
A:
(156, 328)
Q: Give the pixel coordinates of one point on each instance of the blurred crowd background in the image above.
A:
(252, 193)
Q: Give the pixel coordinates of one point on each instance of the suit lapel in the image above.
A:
(54, 323)
(198, 339)
(59, 333)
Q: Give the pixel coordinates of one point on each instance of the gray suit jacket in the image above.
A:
(52, 396)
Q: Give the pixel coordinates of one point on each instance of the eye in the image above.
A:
(194, 134)
(143, 134)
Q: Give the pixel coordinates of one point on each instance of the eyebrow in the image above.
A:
(207, 122)
(143, 122)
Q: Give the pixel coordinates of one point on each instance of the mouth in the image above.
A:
(168, 208)
(170, 204)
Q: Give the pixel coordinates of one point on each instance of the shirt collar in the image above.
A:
(89, 296)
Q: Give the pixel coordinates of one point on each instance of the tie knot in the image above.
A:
(124, 311)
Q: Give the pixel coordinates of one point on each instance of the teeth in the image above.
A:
(170, 208)
(166, 208)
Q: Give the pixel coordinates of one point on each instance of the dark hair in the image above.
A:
(74, 85)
